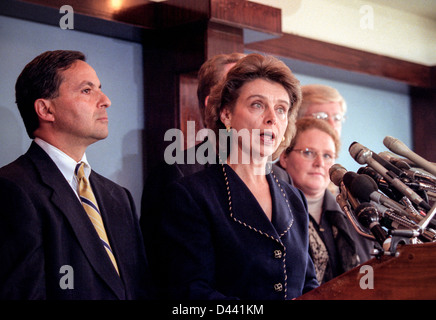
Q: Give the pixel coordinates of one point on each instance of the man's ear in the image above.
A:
(44, 109)
(226, 117)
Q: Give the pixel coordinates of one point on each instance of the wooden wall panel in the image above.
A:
(424, 122)
(327, 54)
(247, 14)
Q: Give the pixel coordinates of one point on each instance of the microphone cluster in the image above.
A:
(392, 198)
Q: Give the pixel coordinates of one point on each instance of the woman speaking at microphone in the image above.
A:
(235, 231)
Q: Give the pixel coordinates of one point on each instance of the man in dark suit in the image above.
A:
(49, 247)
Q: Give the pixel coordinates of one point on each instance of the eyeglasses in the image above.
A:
(310, 155)
(337, 117)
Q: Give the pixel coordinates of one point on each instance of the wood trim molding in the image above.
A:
(156, 15)
(246, 14)
(327, 54)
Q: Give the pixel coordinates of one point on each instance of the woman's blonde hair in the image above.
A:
(317, 94)
(305, 124)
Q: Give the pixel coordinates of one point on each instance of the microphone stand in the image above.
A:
(342, 200)
(430, 214)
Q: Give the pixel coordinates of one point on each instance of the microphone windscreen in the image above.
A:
(362, 187)
(349, 178)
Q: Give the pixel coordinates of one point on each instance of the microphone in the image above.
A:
(336, 173)
(363, 155)
(368, 216)
(348, 180)
(416, 180)
(400, 148)
(388, 165)
(382, 184)
(420, 184)
(343, 203)
(377, 177)
(389, 217)
(409, 169)
(345, 199)
(401, 163)
(364, 188)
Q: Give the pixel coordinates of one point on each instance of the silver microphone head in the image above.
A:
(396, 145)
(337, 172)
(359, 152)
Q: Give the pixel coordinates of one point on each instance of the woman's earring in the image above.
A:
(227, 128)
(283, 139)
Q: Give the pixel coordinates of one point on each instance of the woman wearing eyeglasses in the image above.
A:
(334, 245)
(324, 103)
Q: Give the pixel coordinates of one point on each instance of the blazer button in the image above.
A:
(278, 287)
(278, 254)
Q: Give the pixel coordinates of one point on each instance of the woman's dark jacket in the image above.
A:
(213, 247)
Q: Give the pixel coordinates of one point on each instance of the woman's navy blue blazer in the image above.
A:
(213, 247)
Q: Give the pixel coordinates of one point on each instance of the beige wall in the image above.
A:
(366, 25)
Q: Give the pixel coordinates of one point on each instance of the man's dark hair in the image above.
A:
(41, 78)
(212, 72)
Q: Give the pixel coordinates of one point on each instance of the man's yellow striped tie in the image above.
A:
(90, 205)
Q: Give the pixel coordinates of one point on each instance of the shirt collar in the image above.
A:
(65, 163)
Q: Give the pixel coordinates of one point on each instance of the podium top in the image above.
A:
(409, 276)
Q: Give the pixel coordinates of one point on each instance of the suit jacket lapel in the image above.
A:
(245, 208)
(282, 217)
(66, 201)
